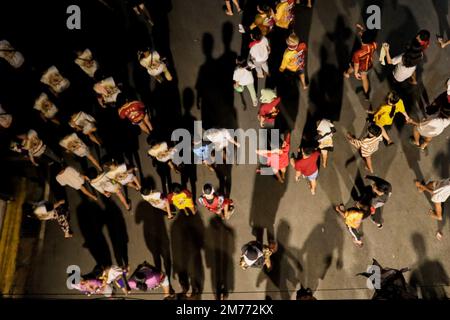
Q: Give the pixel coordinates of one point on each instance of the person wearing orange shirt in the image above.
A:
(294, 58)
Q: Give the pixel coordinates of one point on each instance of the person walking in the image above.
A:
(123, 175)
(135, 112)
(73, 144)
(269, 108)
(325, 130)
(146, 277)
(229, 11)
(368, 145)
(162, 153)
(86, 124)
(405, 63)
(107, 187)
(353, 218)
(278, 159)
(155, 65)
(243, 78)
(182, 200)
(294, 59)
(259, 53)
(57, 211)
(385, 115)
(69, 176)
(157, 200)
(307, 167)
(36, 149)
(216, 203)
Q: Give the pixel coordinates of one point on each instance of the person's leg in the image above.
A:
(143, 127)
(228, 5)
(236, 3)
(283, 173)
(148, 123)
(122, 199)
(425, 143)
(64, 225)
(376, 218)
(303, 81)
(87, 193)
(437, 213)
(324, 154)
(136, 183)
(309, 5)
(277, 174)
(365, 84)
(52, 156)
(313, 186)
(167, 73)
(355, 235)
(94, 162)
(385, 135)
(172, 166)
(251, 90)
(259, 70)
(265, 68)
(94, 139)
(416, 136)
(368, 161)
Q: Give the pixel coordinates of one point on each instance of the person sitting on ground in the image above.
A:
(155, 65)
(255, 255)
(306, 166)
(369, 145)
(216, 203)
(107, 187)
(85, 123)
(146, 277)
(135, 112)
(385, 115)
(71, 177)
(182, 200)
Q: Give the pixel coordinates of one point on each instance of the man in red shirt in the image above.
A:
(135, 112)
(362, 59)
(269, 108)
(307, 167)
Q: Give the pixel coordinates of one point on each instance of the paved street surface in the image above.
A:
(314, 248)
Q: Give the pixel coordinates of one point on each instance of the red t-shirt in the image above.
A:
(309, 165)
(133, 111)
(265, 109)
(364, 56)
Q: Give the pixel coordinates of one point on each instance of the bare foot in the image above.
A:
(433, 215)
(419, 186)
(228, 13)
(439, 236)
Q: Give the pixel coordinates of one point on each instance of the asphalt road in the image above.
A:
(205, 251)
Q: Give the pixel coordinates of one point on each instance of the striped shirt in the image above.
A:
(363, 56)
(367, 146)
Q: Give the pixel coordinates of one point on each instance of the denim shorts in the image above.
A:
(313, 176)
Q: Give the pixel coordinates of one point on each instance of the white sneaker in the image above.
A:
(241, 28)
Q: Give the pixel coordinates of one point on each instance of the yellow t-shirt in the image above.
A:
(283, 15)
(382, 118)
(182, 201)
(353, 218)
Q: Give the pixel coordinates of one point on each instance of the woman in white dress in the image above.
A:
(85, 123)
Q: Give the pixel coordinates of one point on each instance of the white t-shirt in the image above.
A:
(70, 177)
(74, 145)
(243, 76)
(260, 51)
(220, 137)
(120, 175)
(42, 213)
(162, 152)
(33, 144)
(401, 73)
(433, 127)
(107, 89)
(155, 199)
(55, 80)
(87, 63)
(84, 121)
(103, 184)
(45, 106)
(153, 64)
(441, 190)
(14, 58)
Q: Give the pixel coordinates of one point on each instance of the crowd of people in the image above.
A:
(108, 177)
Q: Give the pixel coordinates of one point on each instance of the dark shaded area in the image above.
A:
(155, 235)
(187, 235)
(441, 8)
(429, 277)
(219, 247)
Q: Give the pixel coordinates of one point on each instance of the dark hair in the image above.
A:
(307, 151)
(413, 55)
(145, 191)
(424, 35)
(139, 277)
(176, 188)
(256, 34)
(368, 36)
(374, 130)
(241, 62)
(393, 98)
(91, 173)
(207, 188)
(264, 7)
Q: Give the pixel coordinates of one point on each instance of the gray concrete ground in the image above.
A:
(307, 229)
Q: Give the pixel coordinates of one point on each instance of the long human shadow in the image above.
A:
(219, 247)
(117, 231)
(187, 235)
(283, 278)
(441, 8)
(429, 277)
(322, 248)
(214, 85)
(90, 217)
(155, 234)
(441, 161)
(267, 194)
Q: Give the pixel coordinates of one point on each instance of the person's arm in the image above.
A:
(351, 138)
(388, 53)
(356, 68)
(284, 63)
(33, 161)
(59, 203)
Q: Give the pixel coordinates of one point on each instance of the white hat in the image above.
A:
(267, 95)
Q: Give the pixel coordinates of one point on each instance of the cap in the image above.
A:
(267, 95)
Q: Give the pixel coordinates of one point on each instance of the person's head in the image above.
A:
(139, 277)
(267, 95)
(392, 98)
(381, 187)
(251, 253)
(241, 62)
(145, 191)
(208, 191)
(368, 36)
(176, 188)
(256, 34)
(374, 130)
(91, 173)
(413, 55)
(143, 53)
(292, 41)
(307, 151)
(423, 36)
(263, 8)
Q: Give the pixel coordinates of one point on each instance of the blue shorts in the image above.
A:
(313, 176)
